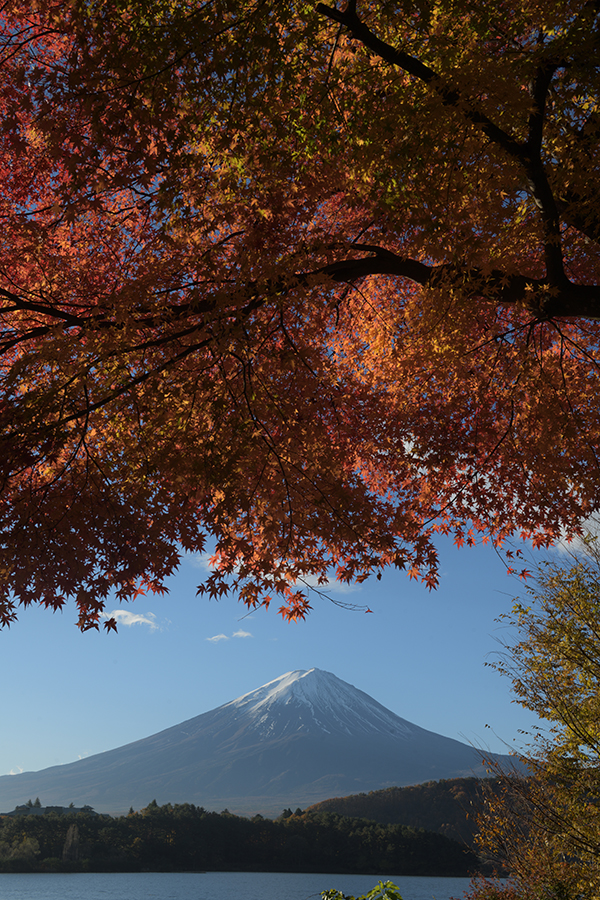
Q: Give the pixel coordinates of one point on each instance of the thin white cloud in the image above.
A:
(591, 527)
(16, 771)
(225, 637)
(125, 617)
(199, 561)
(331, 586)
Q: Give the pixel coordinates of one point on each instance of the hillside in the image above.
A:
(447, 807)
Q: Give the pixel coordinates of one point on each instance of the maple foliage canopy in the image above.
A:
(308, 283)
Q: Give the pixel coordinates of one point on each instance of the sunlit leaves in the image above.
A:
(262, 286)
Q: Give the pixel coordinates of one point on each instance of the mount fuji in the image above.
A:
(304, 737)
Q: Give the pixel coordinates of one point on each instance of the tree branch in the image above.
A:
(527, 154)
(46, 310)
(544, 300)
(450, 96)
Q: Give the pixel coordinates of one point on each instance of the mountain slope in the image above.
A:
(299, 739)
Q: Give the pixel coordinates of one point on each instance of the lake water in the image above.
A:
(224, 885)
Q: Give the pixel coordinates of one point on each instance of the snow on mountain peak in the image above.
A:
(309, 700)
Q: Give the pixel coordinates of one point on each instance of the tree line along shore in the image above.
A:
(184, 837)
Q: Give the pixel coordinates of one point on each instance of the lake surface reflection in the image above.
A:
(211, 885)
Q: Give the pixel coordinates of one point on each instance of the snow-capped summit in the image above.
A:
(304, 737)
(314, 700)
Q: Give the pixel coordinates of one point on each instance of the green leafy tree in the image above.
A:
(546, 826)
(383, 890)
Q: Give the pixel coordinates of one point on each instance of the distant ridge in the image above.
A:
(448, 807)
(304, 737)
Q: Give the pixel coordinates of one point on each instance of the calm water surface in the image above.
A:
(216, 886)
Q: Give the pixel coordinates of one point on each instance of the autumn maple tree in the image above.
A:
(306, 283)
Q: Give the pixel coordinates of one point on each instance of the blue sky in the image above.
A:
(68, 695)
